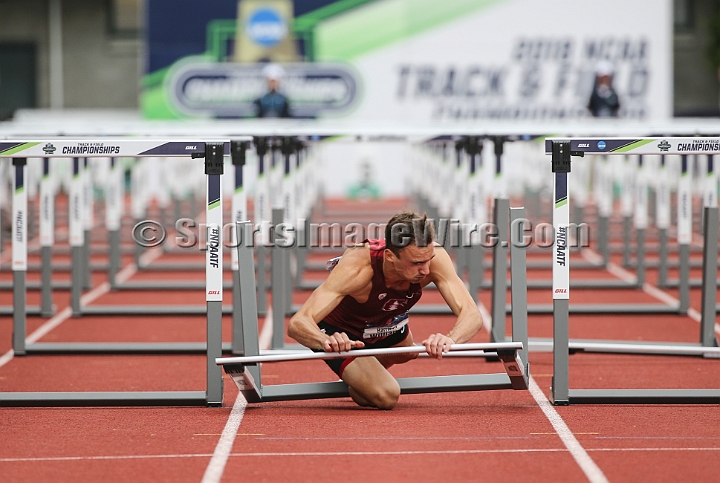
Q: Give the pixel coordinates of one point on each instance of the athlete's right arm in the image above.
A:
(351, 276)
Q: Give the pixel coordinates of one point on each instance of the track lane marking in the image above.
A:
(592, 471)
(218, 460)
(86, 299)
(352, 453)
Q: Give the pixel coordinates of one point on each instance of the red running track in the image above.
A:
(483, 436)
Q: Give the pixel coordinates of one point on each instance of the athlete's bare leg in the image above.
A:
(370, 383)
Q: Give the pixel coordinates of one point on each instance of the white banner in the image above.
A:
(506, 59)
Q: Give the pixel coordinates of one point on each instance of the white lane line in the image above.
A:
(86, 299)
(592, 471)
(347, 453)
(216, 466)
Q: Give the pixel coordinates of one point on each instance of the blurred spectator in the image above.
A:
(604, 100)
(273, 103)
(366, 188)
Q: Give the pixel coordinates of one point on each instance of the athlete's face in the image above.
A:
(413, 264)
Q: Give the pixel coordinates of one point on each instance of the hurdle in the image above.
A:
(562, 151)
(247, 375)
(213, 153)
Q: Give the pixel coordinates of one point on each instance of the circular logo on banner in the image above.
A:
(266, 27)
(601, 144)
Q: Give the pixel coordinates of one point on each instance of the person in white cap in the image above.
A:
(272, 103)
(604, 101)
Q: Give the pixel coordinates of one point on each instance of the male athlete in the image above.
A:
(364, 303)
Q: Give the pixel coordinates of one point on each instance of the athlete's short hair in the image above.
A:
(408, 228)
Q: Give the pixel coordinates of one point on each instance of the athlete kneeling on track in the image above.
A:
(364, 304)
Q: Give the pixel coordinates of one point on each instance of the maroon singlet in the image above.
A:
(385, 307)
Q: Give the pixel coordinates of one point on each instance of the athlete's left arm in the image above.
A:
(469, 320)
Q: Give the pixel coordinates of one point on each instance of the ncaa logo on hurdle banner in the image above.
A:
(49, 148)
(266, 27)
(601, 145)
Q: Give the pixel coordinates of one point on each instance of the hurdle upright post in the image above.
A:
(662, 220)
(627, 208)
(498, 309)
(519, 225)
(113, 218)
(75, 223)
(477, 216)
(289, 205)
(245, 335)
(47, 227)
(214, 270)
(709, 277)
(640, 219)
(561, 160)
(87, 216)
(501, 219)
(239, 214)
(261, 206)
(19, 254)
(684, 236)
(277, 280)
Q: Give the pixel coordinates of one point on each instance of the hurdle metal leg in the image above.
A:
(85, 260)
(662, 257)
(518, 285)
(475, 275)
(626, 241)
(245, 335)
(277, 283)
(603, 242)
(640, 256)
(19, 318)
(709, 277)
(214, 349)
(46, 306)
(498, 309)
(261, 277)
(114, 261)
(684, 279)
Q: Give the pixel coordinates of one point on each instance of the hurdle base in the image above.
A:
(644, 396)
(326, 390)
(148, 310)
(64, 399)
(439, 309)
(121, 348)
(30, 310)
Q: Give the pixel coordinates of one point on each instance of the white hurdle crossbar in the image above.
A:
(245, 373)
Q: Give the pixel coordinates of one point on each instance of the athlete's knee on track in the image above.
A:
(386, 396)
